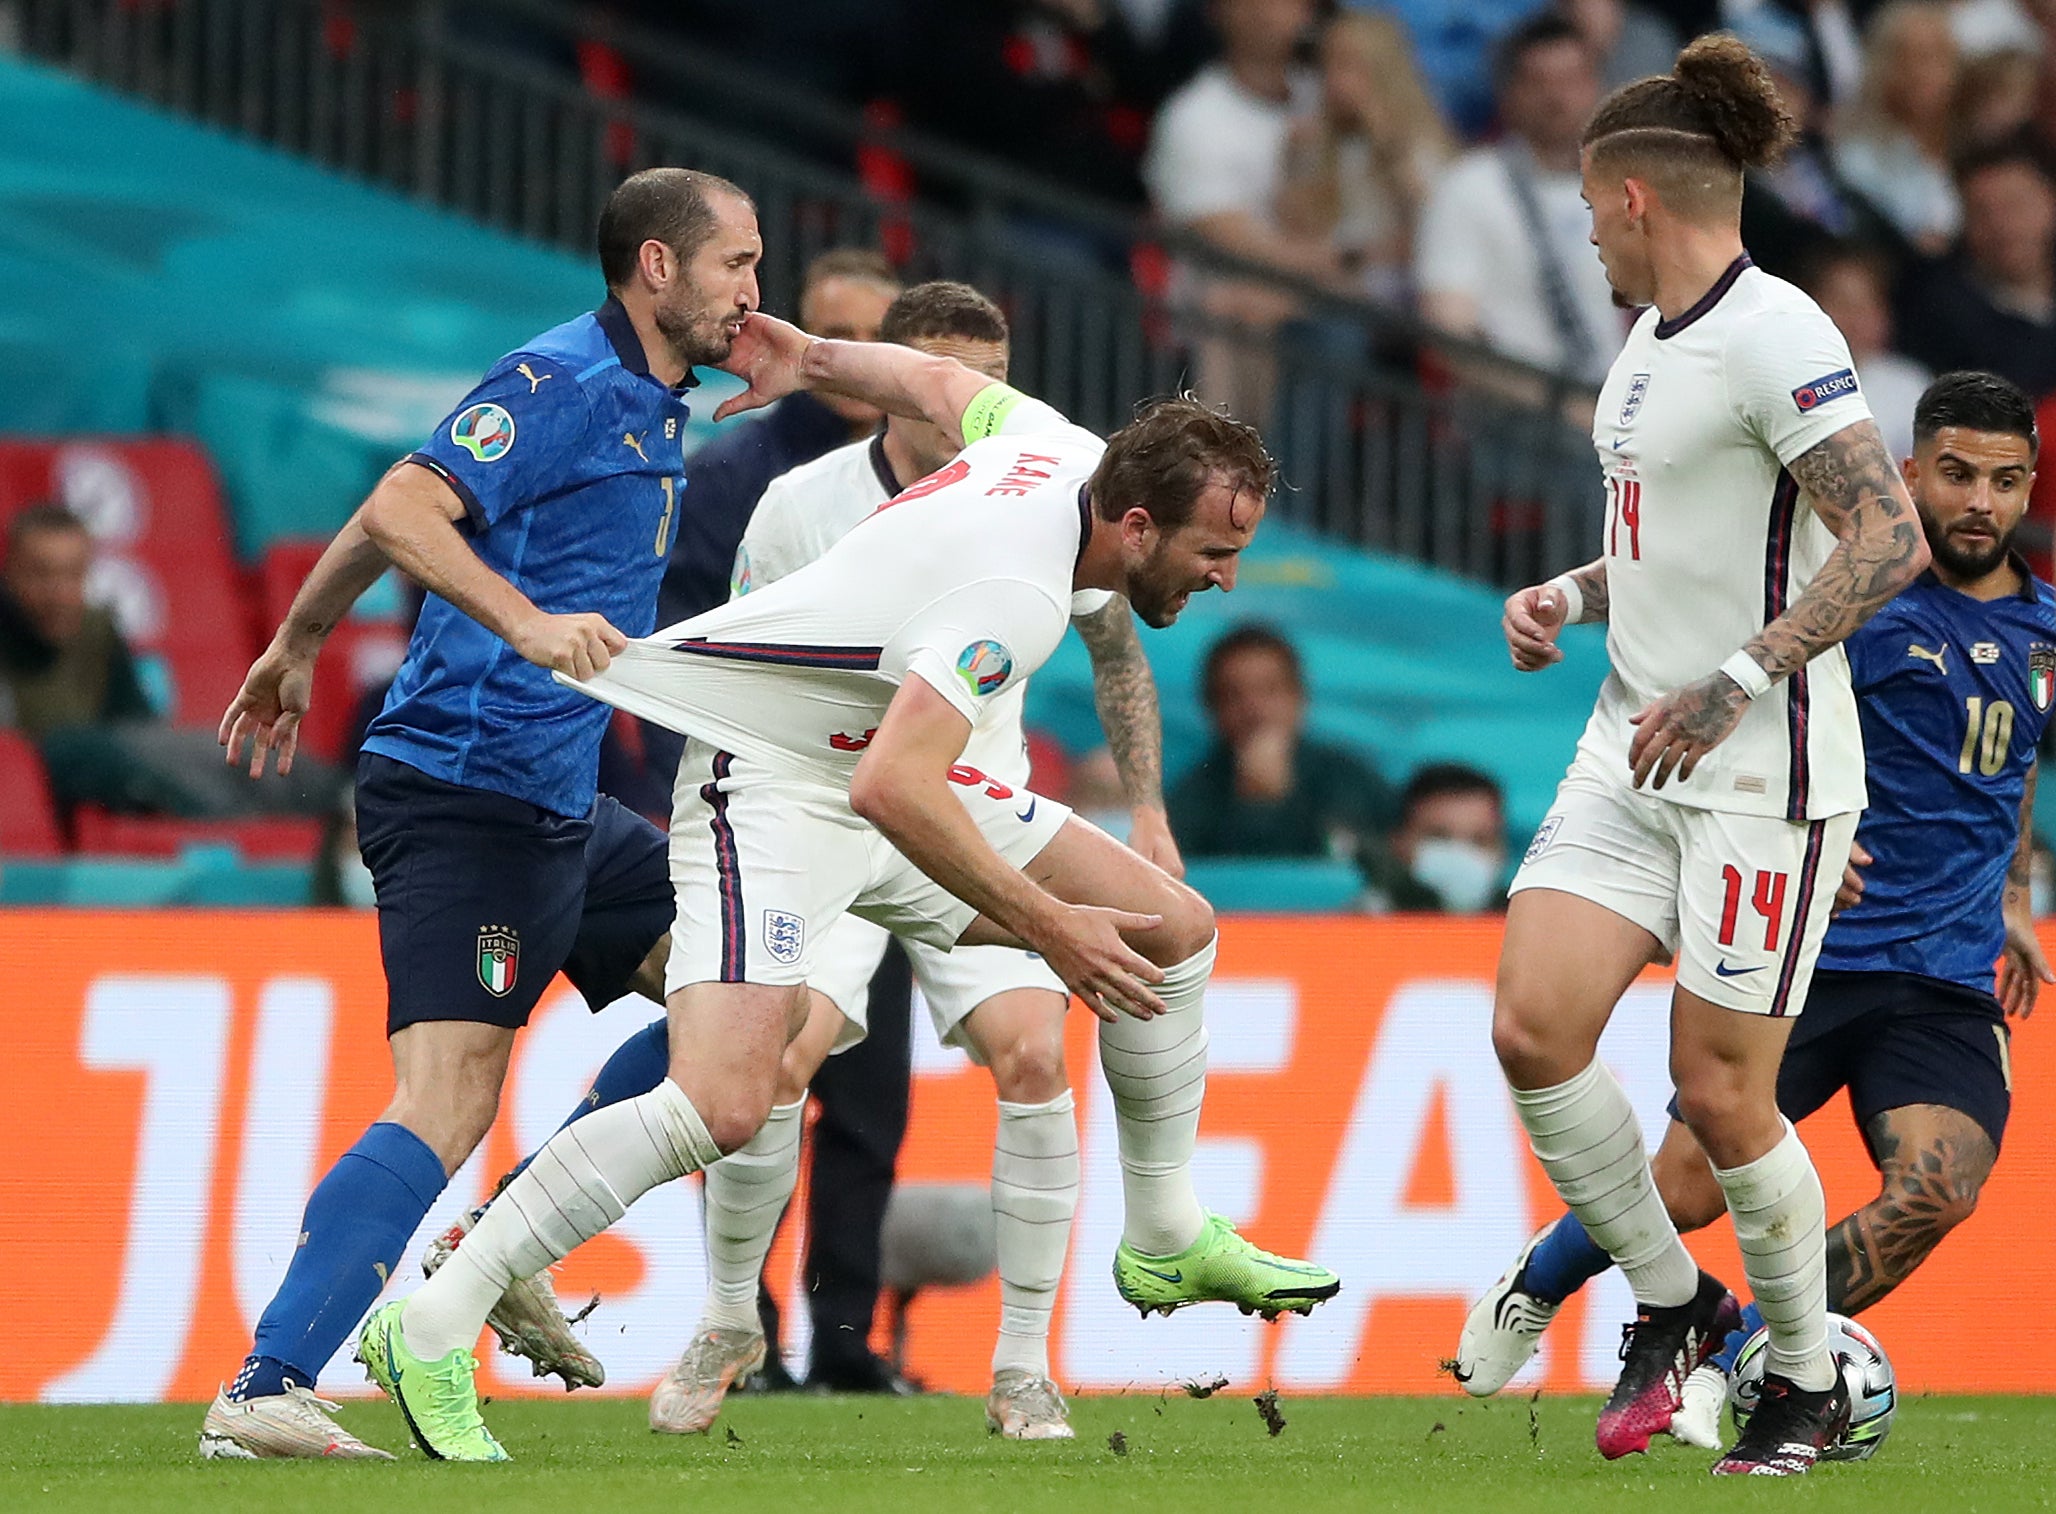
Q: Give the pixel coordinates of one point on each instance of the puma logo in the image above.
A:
(535, 380)
(630, 439)
(1917, 650)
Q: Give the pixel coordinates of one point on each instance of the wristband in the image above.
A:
(1747, 674)
(1573, 598)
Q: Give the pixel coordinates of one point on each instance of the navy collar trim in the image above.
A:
(881, 466)
(1084, 524)
(620, 332)
(1665, 330)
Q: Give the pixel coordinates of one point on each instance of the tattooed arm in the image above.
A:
(1124, 693)
(2022, 967)
(1853, 487)
(1535, 615)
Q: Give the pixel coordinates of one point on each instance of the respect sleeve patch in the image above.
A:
(1822, 390)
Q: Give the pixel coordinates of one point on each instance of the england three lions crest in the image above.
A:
(1638, 390)
(784, 935)
(499, 959)
(2041, 675)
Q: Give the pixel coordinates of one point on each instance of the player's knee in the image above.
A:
(450, 1121)
(733, 1116)
(1188, 927)
(1029, 1067)
(1528, 1054)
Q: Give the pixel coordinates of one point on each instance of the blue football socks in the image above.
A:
(358, 1221)
(1564, 1262)
(637, 1066)
(1752, 1321)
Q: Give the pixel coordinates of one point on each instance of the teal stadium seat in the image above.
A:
(1276, 886)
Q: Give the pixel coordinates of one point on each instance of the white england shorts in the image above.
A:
(952, 983)
(1740, 901)
(765, 866)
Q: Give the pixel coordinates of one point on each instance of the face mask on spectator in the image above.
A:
(1462, 875)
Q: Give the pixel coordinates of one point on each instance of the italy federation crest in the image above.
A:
(2041, 675)
(499, 959)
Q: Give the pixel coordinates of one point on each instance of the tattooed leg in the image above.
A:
(1933, 1160)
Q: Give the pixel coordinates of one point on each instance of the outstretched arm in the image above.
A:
(775, 358)
(1853, 487)
(1125, 694)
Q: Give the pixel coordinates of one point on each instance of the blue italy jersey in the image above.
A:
(1953, 693)
(568, 458)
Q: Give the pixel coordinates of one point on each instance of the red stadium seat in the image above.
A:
(165, 558)
(28, 820)
(287, 838)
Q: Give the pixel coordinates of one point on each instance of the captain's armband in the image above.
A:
(988, 411)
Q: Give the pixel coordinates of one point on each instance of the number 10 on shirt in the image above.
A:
(1624, 508)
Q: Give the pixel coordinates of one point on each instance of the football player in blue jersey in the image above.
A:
(1954, 680)
(539, 516)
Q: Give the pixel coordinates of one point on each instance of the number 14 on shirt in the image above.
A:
(1624, 508)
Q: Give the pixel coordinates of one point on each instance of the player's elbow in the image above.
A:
(878, 796)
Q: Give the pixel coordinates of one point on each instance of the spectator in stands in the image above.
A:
(1449, 850)
(1853, 285)
(1630, 41)
(1996, 96)
(68, 682)
(1264, 789)
(1893, 147)
(844, 295)
(62, 661)
(1993, 305)
(1795, 207)
(1504, 254)
(1359, 168)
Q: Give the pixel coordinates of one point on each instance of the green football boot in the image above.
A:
(437, 1399)
(1220, 1266)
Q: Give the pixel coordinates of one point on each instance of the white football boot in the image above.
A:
(689, 1397)
(1697, 1420)
(527, 1319)
(1024, 1406)
(1502, 1330)
(285, 1425)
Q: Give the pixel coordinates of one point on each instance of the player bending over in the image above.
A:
(1753, 521)
(1004, 1006)
(1954, 679)
(829, 713)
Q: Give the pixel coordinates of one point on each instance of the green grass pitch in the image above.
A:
(794, 1455)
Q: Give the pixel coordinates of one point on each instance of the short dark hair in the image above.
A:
(42, 517)
(943, 308)
(1251, 636)
(2015, 150)
(1975, 401)
(1163, 458)
(1434, 780)
(1543, 30)
(668, 205)
(864, 264)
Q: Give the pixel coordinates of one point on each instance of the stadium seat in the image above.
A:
(1275, 885)
(279, 838)
(164, 559)
(28, 819)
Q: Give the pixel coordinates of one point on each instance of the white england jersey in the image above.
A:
(809, 509)
(1706, 538)
(964, 582)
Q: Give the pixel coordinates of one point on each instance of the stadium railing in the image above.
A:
(1386, 438)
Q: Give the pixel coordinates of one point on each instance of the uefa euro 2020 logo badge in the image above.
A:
(486, 431)
(984, 666)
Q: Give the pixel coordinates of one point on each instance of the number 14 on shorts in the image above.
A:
(1766, 898)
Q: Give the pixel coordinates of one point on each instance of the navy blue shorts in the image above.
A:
(1894, 1039)
(483, 898)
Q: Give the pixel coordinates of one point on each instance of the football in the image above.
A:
(1873, 1391)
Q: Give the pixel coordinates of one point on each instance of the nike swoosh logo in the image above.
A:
(1027, 814)
(1169, 1277)
(1722, 970)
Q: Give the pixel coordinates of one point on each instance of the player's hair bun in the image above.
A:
(1736, 98)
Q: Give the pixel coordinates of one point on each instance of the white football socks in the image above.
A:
(582, 1181)
(747, 1191)
(1156, 1070)
(1034, 1196)
(1780, 1218)
(1585, 1135)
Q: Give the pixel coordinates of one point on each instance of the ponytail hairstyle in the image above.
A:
(1692, 132)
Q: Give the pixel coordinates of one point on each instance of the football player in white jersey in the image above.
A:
(1754, 519)
(829, 712)
(1002, 1005)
